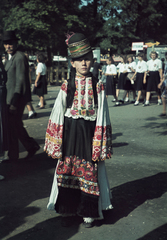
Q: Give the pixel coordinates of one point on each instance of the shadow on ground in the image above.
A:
(158, 234)
(127, 197)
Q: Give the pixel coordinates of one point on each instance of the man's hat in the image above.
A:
(9, 35)
(78, 45)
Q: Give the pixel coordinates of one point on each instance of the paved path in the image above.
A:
(137, 175)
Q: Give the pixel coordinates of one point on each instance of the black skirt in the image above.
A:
(152, 81)
(122, 81)
(41, 89)
(128, 86)
(76, 172)
(139, 86)
(110, 86)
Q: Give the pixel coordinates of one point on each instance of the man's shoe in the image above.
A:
(32, 152)
(162, 115)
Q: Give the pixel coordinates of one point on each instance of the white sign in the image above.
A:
(136, 46)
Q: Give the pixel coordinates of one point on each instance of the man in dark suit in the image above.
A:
(18, 95)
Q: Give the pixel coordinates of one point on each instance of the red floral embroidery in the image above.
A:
(78, 174)
(53, 140)
(90, 92)
(83, 92)
(102, 143)
(64, 87)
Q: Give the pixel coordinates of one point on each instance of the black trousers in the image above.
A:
(18, 132)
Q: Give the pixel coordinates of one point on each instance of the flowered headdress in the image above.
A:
(78, 45)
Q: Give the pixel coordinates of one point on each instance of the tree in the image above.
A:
(41, 24)
(131, 20)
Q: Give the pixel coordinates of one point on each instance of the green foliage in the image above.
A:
(114, 25)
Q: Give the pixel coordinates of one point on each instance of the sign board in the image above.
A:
(136, 46)
(161, 50)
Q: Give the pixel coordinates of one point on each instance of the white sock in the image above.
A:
(147, 102)
(159, 100)
(88, 220)
(30, 113)
(126, 99)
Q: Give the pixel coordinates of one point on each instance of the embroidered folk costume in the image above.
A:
(79, 136)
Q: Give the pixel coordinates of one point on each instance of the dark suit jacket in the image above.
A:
(18, 84)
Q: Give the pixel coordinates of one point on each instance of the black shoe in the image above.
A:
(122, 101)
(133, 101)
(32, 115)
(162, 115)
(32, 152)
(146, 104)
(88, 225)
(41, 108)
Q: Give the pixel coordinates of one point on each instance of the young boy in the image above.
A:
(79, 136)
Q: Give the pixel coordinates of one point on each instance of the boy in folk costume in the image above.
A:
(79, 136)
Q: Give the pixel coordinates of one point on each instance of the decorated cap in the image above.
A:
(78, 45)
(9, 35)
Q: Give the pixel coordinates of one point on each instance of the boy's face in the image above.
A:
(83, 64)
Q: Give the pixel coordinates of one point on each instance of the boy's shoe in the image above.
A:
(88, 225)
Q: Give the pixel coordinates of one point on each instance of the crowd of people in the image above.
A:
(141, 78)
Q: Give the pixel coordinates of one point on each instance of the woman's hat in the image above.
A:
(9, 35)
(78, 45)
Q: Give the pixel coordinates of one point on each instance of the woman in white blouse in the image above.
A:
(123, 71)
(140, 71)
(111, 74)
(154, 69)
(40, 82)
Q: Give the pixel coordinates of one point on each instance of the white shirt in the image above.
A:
(141, 66)
(111, 69)
(41, 68)
(131, 65)
(154, 65)
(122, 67)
